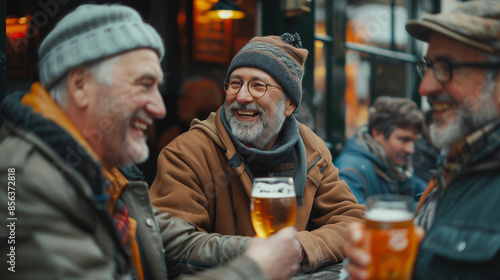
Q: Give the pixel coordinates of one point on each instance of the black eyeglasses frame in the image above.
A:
(425, 64)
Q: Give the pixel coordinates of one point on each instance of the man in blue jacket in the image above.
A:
(376, 159)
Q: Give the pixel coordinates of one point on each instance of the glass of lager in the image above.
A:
(273, 205)
(390, 236)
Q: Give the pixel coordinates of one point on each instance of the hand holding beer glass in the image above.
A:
(390, 236)
(273, 205)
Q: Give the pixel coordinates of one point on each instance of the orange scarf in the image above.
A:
(42, 103)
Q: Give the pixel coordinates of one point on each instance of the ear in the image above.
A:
(289, 107)
(79, 85)
(377, 135)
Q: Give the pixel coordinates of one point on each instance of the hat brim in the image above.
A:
(421, 29)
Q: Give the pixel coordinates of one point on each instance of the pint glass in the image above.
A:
(390, 236)
(273, 205)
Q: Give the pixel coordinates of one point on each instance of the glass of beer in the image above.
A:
(273, 205)
(390, 236)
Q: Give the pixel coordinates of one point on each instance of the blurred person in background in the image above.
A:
(425, 157)
(200, 97)
(377, 159)
(460, 77)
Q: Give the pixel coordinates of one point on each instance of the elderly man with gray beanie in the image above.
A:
(77, 205)
(205, 175)
(460, 78)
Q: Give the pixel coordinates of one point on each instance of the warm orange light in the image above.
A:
(225, 14)
(10, 21)
(16, 27)
(22, 20)
(225, 9)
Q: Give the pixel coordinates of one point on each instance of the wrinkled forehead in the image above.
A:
(442, 46)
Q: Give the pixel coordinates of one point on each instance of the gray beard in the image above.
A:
(468, 119)
(259, 132)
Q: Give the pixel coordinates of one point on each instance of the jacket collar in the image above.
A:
(49, 134)
(38, 113)
(288, 151)
(37, 119)
(214, 128)
(388, 171)
(41, 103)
(476, 149)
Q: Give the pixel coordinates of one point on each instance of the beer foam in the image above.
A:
(262, 189)
(388, 215)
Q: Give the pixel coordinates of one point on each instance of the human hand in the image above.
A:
(359, 259)
(276, 255)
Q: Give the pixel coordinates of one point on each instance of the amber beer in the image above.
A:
(273, 205)
(390, 237)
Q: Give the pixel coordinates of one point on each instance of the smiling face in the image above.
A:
(466, 102)
(120, 113)
(257, 120)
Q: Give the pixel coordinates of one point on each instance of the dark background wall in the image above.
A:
(173, 19)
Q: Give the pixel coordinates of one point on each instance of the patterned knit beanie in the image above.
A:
(475, 23)
(282, 57)
(90, 33)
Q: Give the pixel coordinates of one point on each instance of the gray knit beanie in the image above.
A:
(90, 33)
(282, 57)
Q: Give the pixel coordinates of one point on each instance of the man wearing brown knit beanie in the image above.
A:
(77, 207)
(205, 175)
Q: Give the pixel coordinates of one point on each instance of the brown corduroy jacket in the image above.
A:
(200, 180)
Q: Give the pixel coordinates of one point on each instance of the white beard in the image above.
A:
(260, 132)
(467, 118)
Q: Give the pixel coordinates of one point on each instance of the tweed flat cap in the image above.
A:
(475, 23)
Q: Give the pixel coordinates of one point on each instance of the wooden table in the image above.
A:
(331, 272)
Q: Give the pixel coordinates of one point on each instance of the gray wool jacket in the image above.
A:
(60, 225)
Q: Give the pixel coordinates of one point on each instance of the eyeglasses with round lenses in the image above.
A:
(443, 69)
(257, 88)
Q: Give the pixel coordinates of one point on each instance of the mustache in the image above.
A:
(143, 115)
(441, 98)
(251, 107)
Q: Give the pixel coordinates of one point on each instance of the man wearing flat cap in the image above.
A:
(74, 204)
(205, 175)
(459, 210)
